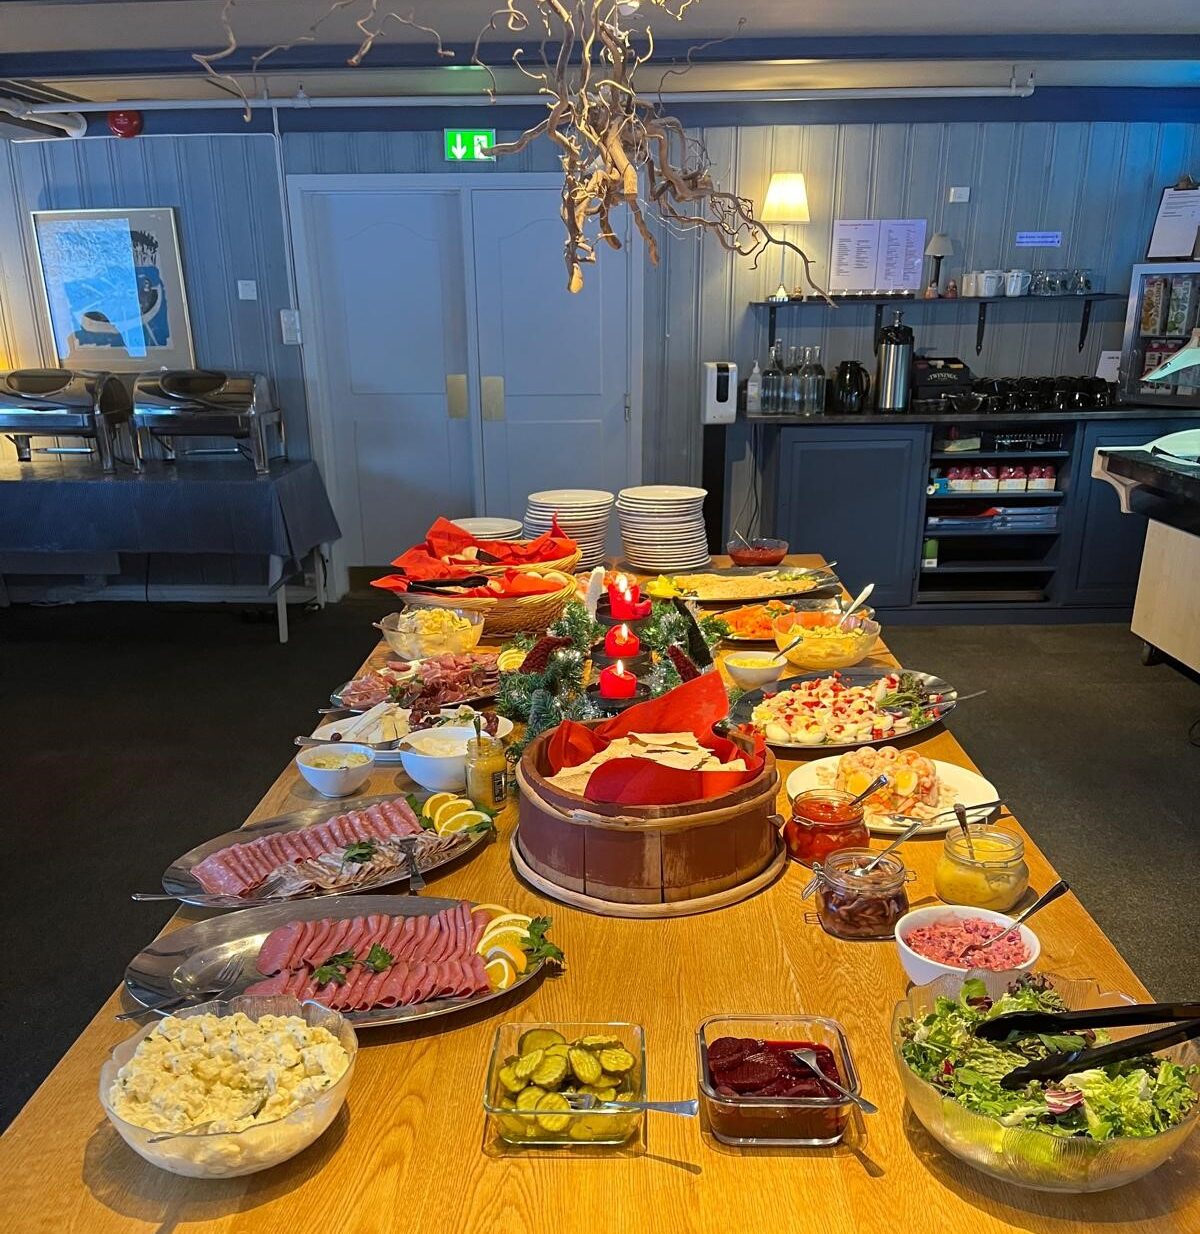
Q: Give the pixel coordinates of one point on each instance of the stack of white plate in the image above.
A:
(490, 528)
(582, 514)
(662, 527)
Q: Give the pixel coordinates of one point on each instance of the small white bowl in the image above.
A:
(768, 665)
(342, 781)
(440, 773)
(922, 970)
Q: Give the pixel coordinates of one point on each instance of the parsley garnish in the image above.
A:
(360, 852)
(334, 969)
(378, 958)
(538, 947)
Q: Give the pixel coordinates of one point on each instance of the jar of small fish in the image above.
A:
(984, 868)
(853, 902)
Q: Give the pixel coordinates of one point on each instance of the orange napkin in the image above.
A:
(695, 706)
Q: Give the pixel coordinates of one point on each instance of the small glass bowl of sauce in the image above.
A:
(762, 551)
(822, 822)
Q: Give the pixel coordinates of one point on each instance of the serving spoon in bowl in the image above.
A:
(1047, 897)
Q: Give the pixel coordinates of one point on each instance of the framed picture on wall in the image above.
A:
(113, 283)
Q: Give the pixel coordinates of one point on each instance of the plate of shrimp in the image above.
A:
(918, 787)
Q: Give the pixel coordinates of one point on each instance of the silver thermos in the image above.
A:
(893, 374)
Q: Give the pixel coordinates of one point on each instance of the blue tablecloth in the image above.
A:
(66, 505)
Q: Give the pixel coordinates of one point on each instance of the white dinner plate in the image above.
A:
(570, 497)
(966, 786)
(662, 492)
(490, 528)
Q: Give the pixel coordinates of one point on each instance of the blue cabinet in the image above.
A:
(855, 495)
(1101, 552)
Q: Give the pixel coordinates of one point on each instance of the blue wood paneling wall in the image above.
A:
(1096, 182)
(230, 219)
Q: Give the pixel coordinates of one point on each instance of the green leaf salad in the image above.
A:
(1137, 1097)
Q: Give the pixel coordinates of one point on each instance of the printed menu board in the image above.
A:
(877, 255)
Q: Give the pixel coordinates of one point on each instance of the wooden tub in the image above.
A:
(646, 855)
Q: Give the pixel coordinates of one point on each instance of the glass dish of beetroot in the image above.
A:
(759, 551)
(753, 1092)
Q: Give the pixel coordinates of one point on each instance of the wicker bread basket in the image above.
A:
(565, 564)
(510, 615)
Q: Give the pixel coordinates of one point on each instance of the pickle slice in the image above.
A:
(550, 1072)
(558, 1050)
(616, 1060)
(539, 1039)
(510, 1080)
(528, 1098)
(600, 1042)
(527, 1064)
(554, 1113)
(585, 1065)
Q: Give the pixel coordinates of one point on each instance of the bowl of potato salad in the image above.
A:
(229, 1088)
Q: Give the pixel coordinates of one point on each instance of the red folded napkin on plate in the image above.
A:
(502, 586)
(694, 707)
(447, 540)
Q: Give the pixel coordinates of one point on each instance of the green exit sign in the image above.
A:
(469, 145)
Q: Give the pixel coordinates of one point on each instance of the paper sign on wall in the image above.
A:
(1039, 239)
(877, 255)
(1177, 224)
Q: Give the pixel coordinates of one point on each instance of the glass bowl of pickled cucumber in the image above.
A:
(566, 1084)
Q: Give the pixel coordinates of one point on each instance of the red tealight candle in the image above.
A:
(615, 682)
(621, 594)
(620, 641)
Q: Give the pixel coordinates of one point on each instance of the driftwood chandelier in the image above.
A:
(617, 147)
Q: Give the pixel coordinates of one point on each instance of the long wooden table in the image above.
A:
(408, 1152)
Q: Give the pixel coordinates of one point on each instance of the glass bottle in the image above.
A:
(791, 383)
(772, 383)
(487, 772)
(987, 870)
(812, 384)
(822, 822)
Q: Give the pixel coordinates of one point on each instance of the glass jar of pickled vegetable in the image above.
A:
(984, 868)
(822, 822)
(853, 902)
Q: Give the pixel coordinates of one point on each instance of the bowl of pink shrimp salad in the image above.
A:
(930, 942)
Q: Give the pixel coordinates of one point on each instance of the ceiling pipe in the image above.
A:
(51, 115)
(303, 101)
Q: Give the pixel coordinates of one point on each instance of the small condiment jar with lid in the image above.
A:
(851, 904)
(986, 871)
(487, 772)
(822, 822)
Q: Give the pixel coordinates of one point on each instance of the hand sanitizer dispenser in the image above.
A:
(719, 392)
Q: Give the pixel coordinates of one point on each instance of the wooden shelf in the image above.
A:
(1000, 496)
(949, 456)
(907, 302)
(938, 533)
(989, 567)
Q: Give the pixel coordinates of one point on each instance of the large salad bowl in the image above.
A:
(1029, 1157)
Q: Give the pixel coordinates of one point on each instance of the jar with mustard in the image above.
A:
(487, 772)
(984, 868)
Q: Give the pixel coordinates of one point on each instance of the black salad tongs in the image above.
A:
(1070, 1061)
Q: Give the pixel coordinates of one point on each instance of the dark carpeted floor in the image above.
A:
(133, 733)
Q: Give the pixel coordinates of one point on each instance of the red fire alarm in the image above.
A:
(125, 123)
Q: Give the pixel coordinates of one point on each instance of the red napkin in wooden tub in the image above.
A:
(695, 706)
(446, 551)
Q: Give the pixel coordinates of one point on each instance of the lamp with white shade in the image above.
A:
(786, 202)
(939, 246)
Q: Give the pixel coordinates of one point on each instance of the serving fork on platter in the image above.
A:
(224, 981)
(902, 820)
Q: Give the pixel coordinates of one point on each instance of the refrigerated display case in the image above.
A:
(1164, 308)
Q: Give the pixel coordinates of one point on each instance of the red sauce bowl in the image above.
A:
(762, 551)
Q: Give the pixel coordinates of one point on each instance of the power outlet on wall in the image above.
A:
(247, 289)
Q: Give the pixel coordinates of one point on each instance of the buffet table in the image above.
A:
(407, 1152)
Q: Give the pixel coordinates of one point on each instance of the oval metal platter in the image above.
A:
(826, 583)
(336, 700)
(179, 881)
(191, 957)
(742, 709)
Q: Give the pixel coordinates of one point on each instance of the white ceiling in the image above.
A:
(82, 25)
